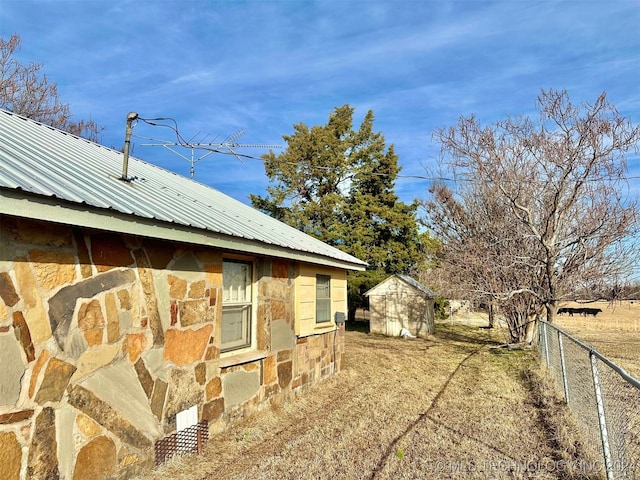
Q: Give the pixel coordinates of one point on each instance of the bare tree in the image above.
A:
(539, 209)
(481, 260)
(26, 91)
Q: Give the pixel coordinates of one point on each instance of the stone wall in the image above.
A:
(105, 338)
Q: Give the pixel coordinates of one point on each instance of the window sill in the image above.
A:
(318, 330)
(325, 326)
(241, 358)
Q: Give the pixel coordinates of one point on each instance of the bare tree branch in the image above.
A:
(544, 210)
(26, 91)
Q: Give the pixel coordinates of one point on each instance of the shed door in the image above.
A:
(396, 312)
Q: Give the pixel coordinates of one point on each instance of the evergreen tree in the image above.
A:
(380, 229)
(337, 184)
(310, 176)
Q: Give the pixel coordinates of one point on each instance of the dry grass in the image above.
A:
(453, 406)
(615, 332)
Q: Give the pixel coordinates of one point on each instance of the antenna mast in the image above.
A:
(227, 147)
(131, 116)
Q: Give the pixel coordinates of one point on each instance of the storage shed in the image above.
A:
(400, 302)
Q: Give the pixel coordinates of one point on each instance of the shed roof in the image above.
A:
(418, 285)
(406, 279)
(51, 175)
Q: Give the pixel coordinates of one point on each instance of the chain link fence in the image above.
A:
(604, 399)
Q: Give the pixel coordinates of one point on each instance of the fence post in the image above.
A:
(563, 365)
(546, 345)
(601, 418)
(540, 339)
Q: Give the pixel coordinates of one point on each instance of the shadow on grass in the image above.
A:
(462, 334)
(423, 417)
(357, 326)
(470, 335)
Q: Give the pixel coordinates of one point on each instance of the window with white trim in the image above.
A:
(237, 298)
(307, 293)
(323, 298)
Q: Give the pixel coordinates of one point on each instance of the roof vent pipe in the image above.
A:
(127, 142)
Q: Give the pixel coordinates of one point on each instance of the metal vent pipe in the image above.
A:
(127, 142)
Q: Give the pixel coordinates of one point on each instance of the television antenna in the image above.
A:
(227, 146)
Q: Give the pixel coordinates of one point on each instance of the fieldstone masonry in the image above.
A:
(104, 338)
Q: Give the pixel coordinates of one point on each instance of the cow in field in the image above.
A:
(569, 310)
(579, 311)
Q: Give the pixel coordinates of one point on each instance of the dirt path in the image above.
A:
(453, 406)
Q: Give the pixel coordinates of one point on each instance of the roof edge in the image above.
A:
(406, 279)
(23, 204)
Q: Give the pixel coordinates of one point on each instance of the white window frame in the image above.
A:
(325, 301)
(241, 302)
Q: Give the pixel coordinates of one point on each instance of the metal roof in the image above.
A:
(407, 279)
(47, 162)
(417, 285)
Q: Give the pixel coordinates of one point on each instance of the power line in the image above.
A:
(428, 177)
(227, 148)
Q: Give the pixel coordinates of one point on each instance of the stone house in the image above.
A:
(136, 304)
(400, 305)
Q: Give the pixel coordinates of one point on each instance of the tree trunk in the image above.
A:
(552, 309)
(491, 318)
(531, 336)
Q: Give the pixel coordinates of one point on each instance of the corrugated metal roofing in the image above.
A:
(418, 285)
(407, 279)
(45, 161)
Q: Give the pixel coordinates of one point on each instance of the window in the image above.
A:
(319, 293)
(237, 279)
(323, 298)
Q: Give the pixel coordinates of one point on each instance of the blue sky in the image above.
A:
(262, 66)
